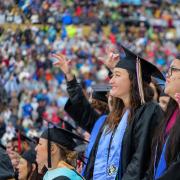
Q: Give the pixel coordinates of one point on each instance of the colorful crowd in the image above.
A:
(89, 90)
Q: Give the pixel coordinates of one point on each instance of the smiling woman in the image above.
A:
(122, 147)
(126, 94)
(120, 76)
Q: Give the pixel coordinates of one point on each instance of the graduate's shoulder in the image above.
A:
(150, 107)
(64, 174)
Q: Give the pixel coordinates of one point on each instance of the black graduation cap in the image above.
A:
(140, 67)
(68, 125)
(100, 91)
(22, 137)
(30, 155)
(129, 62)
(25, 138)
(62, 137)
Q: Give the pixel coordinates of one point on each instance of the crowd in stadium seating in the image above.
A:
(36, 88)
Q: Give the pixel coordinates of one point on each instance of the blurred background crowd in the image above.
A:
(30, 30)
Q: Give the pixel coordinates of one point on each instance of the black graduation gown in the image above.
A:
(136, 145)
(79, 108)
(6, 168)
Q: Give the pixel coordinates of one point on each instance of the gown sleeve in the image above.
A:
(79, 108)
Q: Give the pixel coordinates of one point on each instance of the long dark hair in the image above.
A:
(33, 174)
(100, 105)
(158, 138)
(157, 88)
(171, 107)
(135, 102)
(173, 145)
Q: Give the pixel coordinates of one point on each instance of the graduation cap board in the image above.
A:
(22, 137)
(100, 91)
(67, 125)
(139, 66)
(62, 137)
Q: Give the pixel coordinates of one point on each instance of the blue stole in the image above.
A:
(51, 174)
(109, 152)
(93, 137)
(161, 164)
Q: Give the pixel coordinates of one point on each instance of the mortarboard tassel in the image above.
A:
(139, 79)
(63, 125)
(49, 147)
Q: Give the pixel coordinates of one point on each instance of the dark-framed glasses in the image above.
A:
(171, 70)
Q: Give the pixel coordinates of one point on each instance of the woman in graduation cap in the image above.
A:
(27, 167)
(166, 157)
(121, 148)
(56, 150)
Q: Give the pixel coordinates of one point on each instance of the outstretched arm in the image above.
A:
(77, 106)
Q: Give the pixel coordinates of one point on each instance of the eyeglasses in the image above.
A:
(171, 70)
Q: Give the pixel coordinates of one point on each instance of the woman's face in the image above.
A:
(41, 156)
(22, 169)
(173, 79)
(120, 83)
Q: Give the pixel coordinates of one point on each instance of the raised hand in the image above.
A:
(111, 58)
(63, 63)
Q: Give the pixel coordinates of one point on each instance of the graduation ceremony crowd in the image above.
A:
(89, 90)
